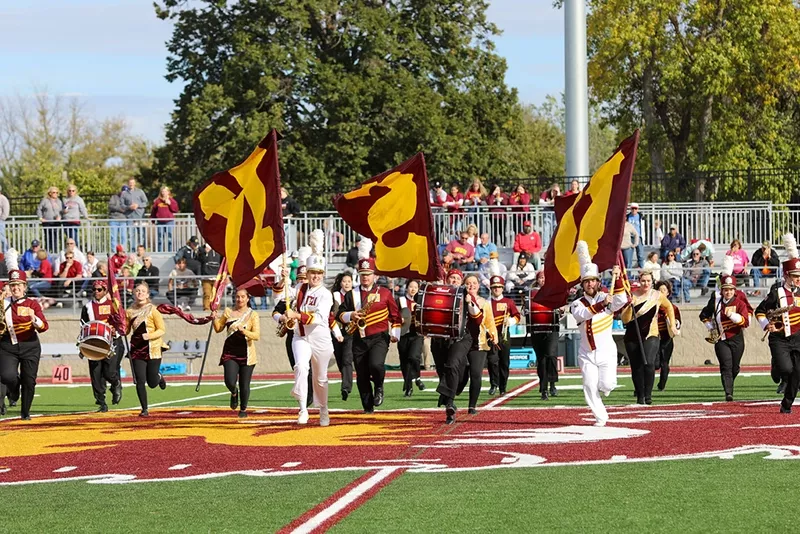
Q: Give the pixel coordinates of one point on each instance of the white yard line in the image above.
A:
(220, 394)
(513, 393)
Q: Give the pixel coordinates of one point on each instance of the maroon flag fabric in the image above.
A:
(239, 213)
(393, 210)
(118, 320)
(168, 309)
(595, 215)
(220, 283)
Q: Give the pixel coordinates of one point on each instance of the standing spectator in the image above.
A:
(658, 233)
(289, 205)
(651, 264)
(530, 243)
(740, 259)
(5, 210)
(547, 202)
(134, 202)
(49, 214)
(117, 221)
(182, 288)
(674, 242)
(697, 271)
(522, 276)
(29, 261)
(74, 209)
(574, 188)
(119, 258)
(69, 272)
(519, 202)
(765, 263)
(474, 198)
(210, 261)
(71, 248)
(149, 273)
(438, 196)
(191, 254)
(672, 272)
(497, 203)
(163, 212)
(630, 242)
(638, 222)
(463, 253)
(548, 196)
(453, 205)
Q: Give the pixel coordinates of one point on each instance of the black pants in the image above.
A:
(241, 373)
(19, 366)
(102, 371)
(665, 349)
(343, 352)
(729, 354)
(147, 375)
(410, 348)
(464, 363)
(643, 366)
(786, 357)
(369, 357)
(290, 354)
(440, 346)
(499, 362)
(545, 345)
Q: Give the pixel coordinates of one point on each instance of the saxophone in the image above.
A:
(360, 324)
(775, 317)
(713, 335)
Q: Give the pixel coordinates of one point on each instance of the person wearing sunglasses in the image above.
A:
(74, 209)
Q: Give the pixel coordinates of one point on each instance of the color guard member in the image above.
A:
(146, 326)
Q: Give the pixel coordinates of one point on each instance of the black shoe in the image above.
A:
(309, 401)
(103, 408)
(639, 400)
(442, 401)
(242, 414)
(235, 399)
(162, 383)
(648, 400)
(472, 411)
(344, 395)
(378, 397)
(728, 398)
(407, 393)
(780, 391)
(12, 403)
(98, 402)
(502, 392)
(544, 395)
(144, 413)
(28, 417)
(450, 411)
(420, 384)
(661, 386)
(369, 410)
(553, 391)
(3, 408)
(785, 410)
(116, 393)
(13, 396)
(493, 390)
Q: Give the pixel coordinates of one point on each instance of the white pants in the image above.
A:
(308, 351)
(599, 372)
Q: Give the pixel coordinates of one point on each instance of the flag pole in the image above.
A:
(205, 354)
(218, 287)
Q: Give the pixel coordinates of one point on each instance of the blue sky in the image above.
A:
(111, 54)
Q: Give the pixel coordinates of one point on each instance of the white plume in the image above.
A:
(317, 242)
(727, 266)
(364, 248)
(494, 267)
(302, 254)
(790, 244)
(12, 257)
(583, 253)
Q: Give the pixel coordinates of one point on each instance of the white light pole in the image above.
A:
(576, 88)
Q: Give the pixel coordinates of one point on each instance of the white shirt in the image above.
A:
(595, 323)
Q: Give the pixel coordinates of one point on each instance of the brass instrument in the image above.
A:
(360, 324)
(287, 325)
(714, 335)
(775, 318)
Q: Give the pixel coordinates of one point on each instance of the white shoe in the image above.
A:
(600, 422)
(324, 418)
(302, 418)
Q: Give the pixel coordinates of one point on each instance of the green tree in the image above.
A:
(355, 87)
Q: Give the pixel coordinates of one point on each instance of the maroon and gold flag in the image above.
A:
(393, 210)
(239, 213)
(220, 283)
(118, 320)
(595, 215)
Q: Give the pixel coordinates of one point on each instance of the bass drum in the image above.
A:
(96, 340)
(541, 319)
(440, 312)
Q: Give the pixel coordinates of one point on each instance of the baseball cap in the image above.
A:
(493, 254)
(765, 244)
(35, 243)
(437, 185)
(125, 188)
(120, 248)
(673, 226)
(295, 254)
(193, 240)
(634, 205)
(527, 223)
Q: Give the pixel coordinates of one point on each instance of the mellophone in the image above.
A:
(96, 340)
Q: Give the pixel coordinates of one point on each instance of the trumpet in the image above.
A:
(287, 325)
(775, 318)
(361, 323)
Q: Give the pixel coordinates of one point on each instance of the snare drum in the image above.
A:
(541, 319)
(96, 340)
(441, 311)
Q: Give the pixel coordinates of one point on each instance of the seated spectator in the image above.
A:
(651, 264)
(630, 242)
(705, 247)
(210, 261)
(740, 259)
(132, 263)
(484, 249)
(149, 274)
(530, 243)
(141, 252)
(697, 271)
(191, 253)
(765, 263)
(29, 261)
(352, 255)
(72, 248)
(463, 253)
(182, 289)
(658, 233)
(521, 276)
(672, 272)
(69, 272)
(101, 271)
(89, 268)
(674, 242)
(41, 277)
(125, 284)
(472, 232)
(447, 260)
(119, 258)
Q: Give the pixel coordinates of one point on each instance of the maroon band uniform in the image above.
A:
(505, 314)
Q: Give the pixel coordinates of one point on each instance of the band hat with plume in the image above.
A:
(316, 261)
(366, 264)
(792, 264)
(12, 265)
(495, 274)
(589, 270)
(727, 266)
(302, 255)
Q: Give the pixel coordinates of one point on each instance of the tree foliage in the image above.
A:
(355, 87)
(712, 83)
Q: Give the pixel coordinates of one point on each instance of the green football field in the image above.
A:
(743, 493)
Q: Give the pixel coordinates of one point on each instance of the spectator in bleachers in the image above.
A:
(453, 205)
(472, 232)
(521, 198)
(672, 242)
(49, 213)
(463, 252)
(88, 268)
(74, 209)
(210, 261)
(522, 275)
(70, 248)
(70, 271)
(352, 254)
(5, 211)
(438, 196)
(119, 258)
(191, 253)
(630, 242)
(101, 271)
(574, 188)
(134, 202)
(484, 249)
(291, 208)
(447, 260)
(163, 212)
(765, 263)
(697, 272)
(29, 261)
(740, 259)
(182, 289)
(41, 276)
(548, 196)
(148, 273)
(294, 265)
(133, 265)
(529, 242)
(118, 225)
(125, 285)
(474, 198)
(658, 233)
(497, 202)
(704, 246)
(652, 264)
(547, 201)
(637, 220)
(485, 269)
(672, 272)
